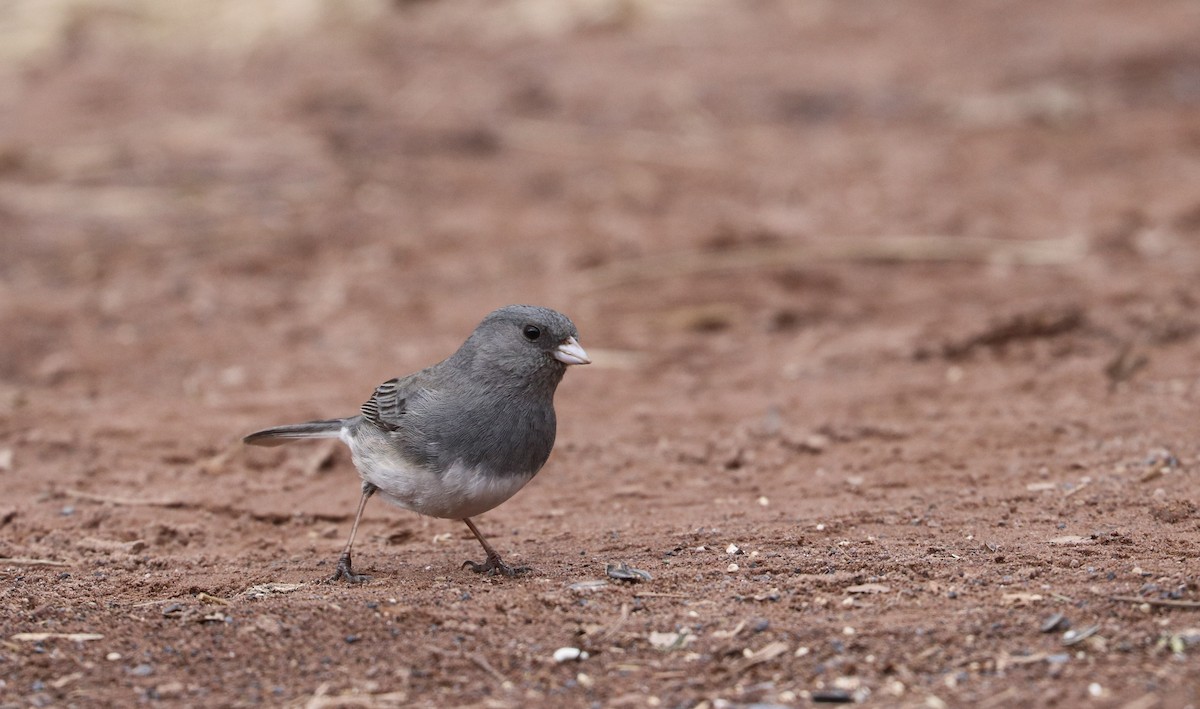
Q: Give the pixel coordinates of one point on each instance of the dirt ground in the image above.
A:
(893, 308)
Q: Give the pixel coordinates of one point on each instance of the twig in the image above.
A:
(1082, 484)
(123, 501)
(322, 699)
(22, 561)
(912, 249)
(1160, 602)
(481, 662)
(764, 654)
(145, 604)
(224, 510)
(653, 594)
(648, 147)
(1000, 699)
(609, 632)
(211, 599)
(39, 637)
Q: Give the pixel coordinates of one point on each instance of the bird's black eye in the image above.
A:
(532, 332)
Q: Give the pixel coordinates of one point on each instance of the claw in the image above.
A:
(345, 573)
(494, 566)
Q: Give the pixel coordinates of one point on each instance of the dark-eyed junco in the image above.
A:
(458, 438)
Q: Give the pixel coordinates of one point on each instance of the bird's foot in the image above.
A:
(345, 573)
(494, 566)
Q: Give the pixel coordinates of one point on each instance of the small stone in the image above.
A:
(670, 641)
(142, 670)
(567, 654)
(351, 639)
(869, 588)
(169, 690)
(733, 550)
(113, 656)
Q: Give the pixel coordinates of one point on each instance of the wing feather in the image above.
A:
(386, 406)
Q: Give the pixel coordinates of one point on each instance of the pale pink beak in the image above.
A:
(569, 352)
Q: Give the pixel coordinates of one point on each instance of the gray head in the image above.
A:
(524, 340)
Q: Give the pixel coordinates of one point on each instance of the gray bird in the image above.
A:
(458, 438)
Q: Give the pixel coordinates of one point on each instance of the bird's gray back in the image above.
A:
(436, 418)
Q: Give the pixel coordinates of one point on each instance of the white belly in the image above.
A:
(458, 493)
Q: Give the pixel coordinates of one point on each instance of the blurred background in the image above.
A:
(237, 194)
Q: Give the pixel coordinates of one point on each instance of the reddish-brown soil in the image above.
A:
(898, 299)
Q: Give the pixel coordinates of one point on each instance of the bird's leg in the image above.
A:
(493, 564)
(344, 572)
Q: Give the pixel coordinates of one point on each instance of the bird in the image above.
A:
(462, 436)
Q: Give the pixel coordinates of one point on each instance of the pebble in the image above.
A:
(142, 670)
(113, 656)
(832, 696)
(567, 654)
(169, 690)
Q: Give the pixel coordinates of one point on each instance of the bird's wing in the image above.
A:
(387, 404)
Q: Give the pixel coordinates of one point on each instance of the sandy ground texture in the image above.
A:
(893, 308)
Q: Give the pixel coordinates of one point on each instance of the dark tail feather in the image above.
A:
(282, 434)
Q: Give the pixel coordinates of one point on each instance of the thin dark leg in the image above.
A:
(344, 572)
(493, 564)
